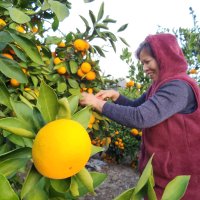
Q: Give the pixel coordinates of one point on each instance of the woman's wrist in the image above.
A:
(116, 97)
(99, 105)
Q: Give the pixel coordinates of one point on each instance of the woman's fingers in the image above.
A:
(103, 94)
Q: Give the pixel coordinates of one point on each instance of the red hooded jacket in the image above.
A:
(175, 142)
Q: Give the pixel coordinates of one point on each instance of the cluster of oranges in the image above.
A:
(18, 28)
(81, 45)
(88, 90)
(61, 69)
(131, 83)
(119, 143)
(85, 70)
(101, 142)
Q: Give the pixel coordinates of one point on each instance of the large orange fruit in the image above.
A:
(61, 149)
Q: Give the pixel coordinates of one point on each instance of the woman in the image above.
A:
(168, 112)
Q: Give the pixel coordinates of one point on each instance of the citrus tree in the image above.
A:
(39, 91)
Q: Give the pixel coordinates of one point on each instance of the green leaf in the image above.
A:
(47, 102)
(147, 172)
(62, 185)
(69, 37)
(99, 50)
(16, 154)
(55, 23)
(52, 40)
(24, 100)
(30, 182)
(4, 148)
(73, 103)
(20, 54)
(111, 36)
(138, 196)
(85, 21)
(150, 191)
(83, 116)
(2, 46)
(108, 20)
(97, 177)
(4, 95)
(23, 112)
(176, 188)
(29, 47)
(64, 111)
(95, 150)
(18, 16)
(38, 119)
(59, 9)
(73, 66)
(20, 141)
(74, 189)
(45, 5)
(97, 26)
(73, 83)
(74, 91)
(122, 28)
(113, 45)
(11, 166)
(37, 193)
(101, 12)
(7, 193)
(88, 1)
(92, 17)
(11, 69)
(124, 41)
(17, 127)
(85, 177)
(61, 86)
(5, 37)
(126, 195)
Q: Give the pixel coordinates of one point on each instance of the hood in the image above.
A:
(168, 54)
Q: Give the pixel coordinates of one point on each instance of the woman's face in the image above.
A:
(150, 65)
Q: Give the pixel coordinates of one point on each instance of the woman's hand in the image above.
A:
(108, 94)
(91, 100)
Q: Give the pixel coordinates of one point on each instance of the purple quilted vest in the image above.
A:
(176, 146)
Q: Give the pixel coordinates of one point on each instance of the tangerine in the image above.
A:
(86, 67)
(2, 23)
(90, 76)
(80, 73)
(7, 55)
(14, 82)
(81, 45)
(62, 70)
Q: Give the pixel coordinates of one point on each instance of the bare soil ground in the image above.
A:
(120, 178)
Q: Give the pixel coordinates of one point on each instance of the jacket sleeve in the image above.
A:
(171, 98)
(122, 100)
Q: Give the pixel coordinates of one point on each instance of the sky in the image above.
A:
(143, 18)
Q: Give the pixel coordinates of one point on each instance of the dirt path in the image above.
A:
(120, 178)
